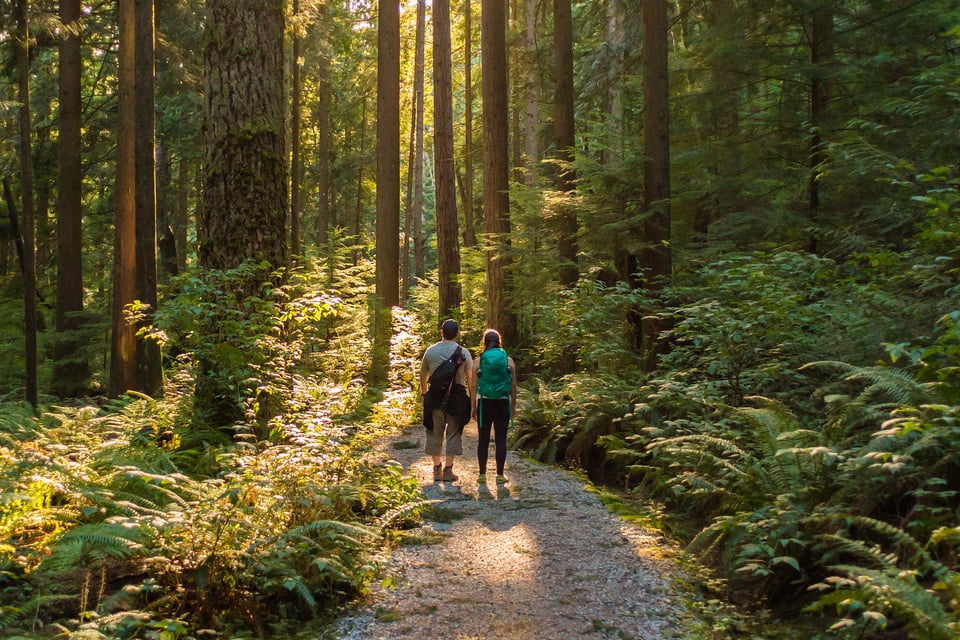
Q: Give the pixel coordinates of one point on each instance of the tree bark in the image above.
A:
(656, 257)
(496, 201)
(323, 145)
(70, 370)
(26, 199)
(821, 55)
(123, 360)
(565, 139)
(149, 366)
(531, 105)
(415, 157)
(243, 211)
(469, 219)
(448, 250)
(387, 274)
(295, 169)
(166, 242)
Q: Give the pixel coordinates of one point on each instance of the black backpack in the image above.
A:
(441, 380)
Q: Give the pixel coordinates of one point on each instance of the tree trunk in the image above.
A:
(123, 362)
(613, 106)
(821, 55)
(496, 201)
(295, 247)
(566, 139)
(656, 259)
(181, 222)
(448, 250)
(469, 222)
(414, 172)
(26, 199)
(71, 370)
(531, 95)
(358, 207)
(166, 242)
(149, 366)
(323, 145)
(388, 183)
(243, 211)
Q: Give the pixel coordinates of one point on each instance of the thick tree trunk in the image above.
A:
(566, 139)
(387, 275)
(149, 366)
(656, 259)
(243, 211)
(244, 207)
(123, 362)
(70, 371)
(448, 250)
(496, 201)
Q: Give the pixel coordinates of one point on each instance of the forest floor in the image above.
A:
(538, 557)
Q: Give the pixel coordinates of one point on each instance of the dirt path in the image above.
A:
(539, 557)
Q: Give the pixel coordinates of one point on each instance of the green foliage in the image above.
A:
(242, 333)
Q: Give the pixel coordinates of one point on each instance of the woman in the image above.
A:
(493, 401)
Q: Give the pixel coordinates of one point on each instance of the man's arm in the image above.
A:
(424, 376)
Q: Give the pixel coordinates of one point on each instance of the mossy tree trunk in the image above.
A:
(243, 210)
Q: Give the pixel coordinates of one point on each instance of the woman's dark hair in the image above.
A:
(491, 339)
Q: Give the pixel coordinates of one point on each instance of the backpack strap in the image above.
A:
(457, 358)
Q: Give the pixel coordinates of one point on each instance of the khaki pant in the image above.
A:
(445, 427)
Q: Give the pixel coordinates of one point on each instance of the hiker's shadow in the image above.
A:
(508, 507)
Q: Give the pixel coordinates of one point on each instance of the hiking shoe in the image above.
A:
(448, 475)
(501, 479)
(437, 472)
(482, 478)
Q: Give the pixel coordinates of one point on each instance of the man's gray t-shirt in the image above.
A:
(437, 353)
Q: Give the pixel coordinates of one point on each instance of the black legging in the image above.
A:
(496, 413)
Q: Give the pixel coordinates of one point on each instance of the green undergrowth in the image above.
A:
(131, 519)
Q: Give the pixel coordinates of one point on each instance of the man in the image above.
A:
(446, 407)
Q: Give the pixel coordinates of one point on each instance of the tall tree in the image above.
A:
(70, 368)
(123, 361)
(149, 365)
(26, 199)
(323, 138)
(496, 172)
(414, 165)
(243, 211)
(566, 139)
(448, 250)
(821, 55)
(656, 257)
(295, 165)
(388, 181)
(531, 102)
(469, 224)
